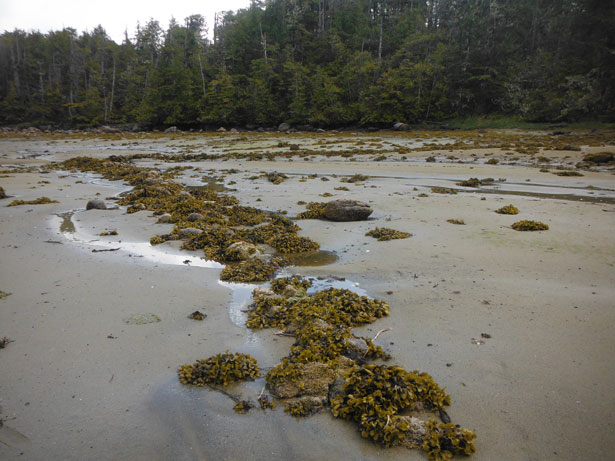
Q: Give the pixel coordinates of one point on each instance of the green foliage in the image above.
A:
(325, 63)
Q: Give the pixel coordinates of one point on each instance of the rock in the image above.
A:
(289, 291)
(108, 129)
(241, 251)
(234, 130)
(283, 127)
(320, 130)
(259, 291)
(250, 126)
(189, 232)
(96, 204)
(193, 217)
(221, 130)
(399, 126)
(2, 193)
(171, 129)
(346, 210)
(359, 344)
(164, 218)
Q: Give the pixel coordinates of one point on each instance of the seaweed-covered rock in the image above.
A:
(347, 210)
(96, 204)
(2, 193)
(241, 251)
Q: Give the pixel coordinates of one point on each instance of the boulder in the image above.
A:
(221, 130)
(171, 129)
(399, 126)
(96, 204)
(2, 193)
(164, 218)
(189, 232)
(234, 130)
(346, 210)
(193, 217)
(108, 129)
(283, 127)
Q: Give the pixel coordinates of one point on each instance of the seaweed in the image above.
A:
(443, 441)
(456, 221)
(253, 270)
(443, 190)
(109, 232)
(197, 315)
(5, 342)
(383, 233)
(568, 173)
(220, 369)
(508, 209)
(529, 226)
(38, 201)
(315, 211)
(355, 178)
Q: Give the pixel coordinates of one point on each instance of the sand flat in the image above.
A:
(78, 382)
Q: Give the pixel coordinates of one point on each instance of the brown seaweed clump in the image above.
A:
(460, 222)
(276, 178)
(315, 210)
(197, 315)
(529, 226)
(443, 190)
(443, 441)
(38, 201)
(508, 209)
(568, 173)
(355, 178)
(475, 182)
(220, 369)
(4, 342)
(383, 233)
(2, 193)
(109, 232)
(253, 270)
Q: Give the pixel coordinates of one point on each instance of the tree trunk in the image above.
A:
(112, 88)
(202, 75)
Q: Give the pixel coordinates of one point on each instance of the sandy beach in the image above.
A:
(80, 382)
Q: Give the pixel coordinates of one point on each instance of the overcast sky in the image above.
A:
(114, 15)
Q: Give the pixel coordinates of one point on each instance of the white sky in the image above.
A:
(114, 15)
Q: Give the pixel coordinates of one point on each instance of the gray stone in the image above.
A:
(284, 127)
(189, 232)
(96, 204)
(347, 210)
(193, 217)
(171, 129)
(164, 218)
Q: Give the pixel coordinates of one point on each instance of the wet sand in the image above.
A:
(78, 382)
